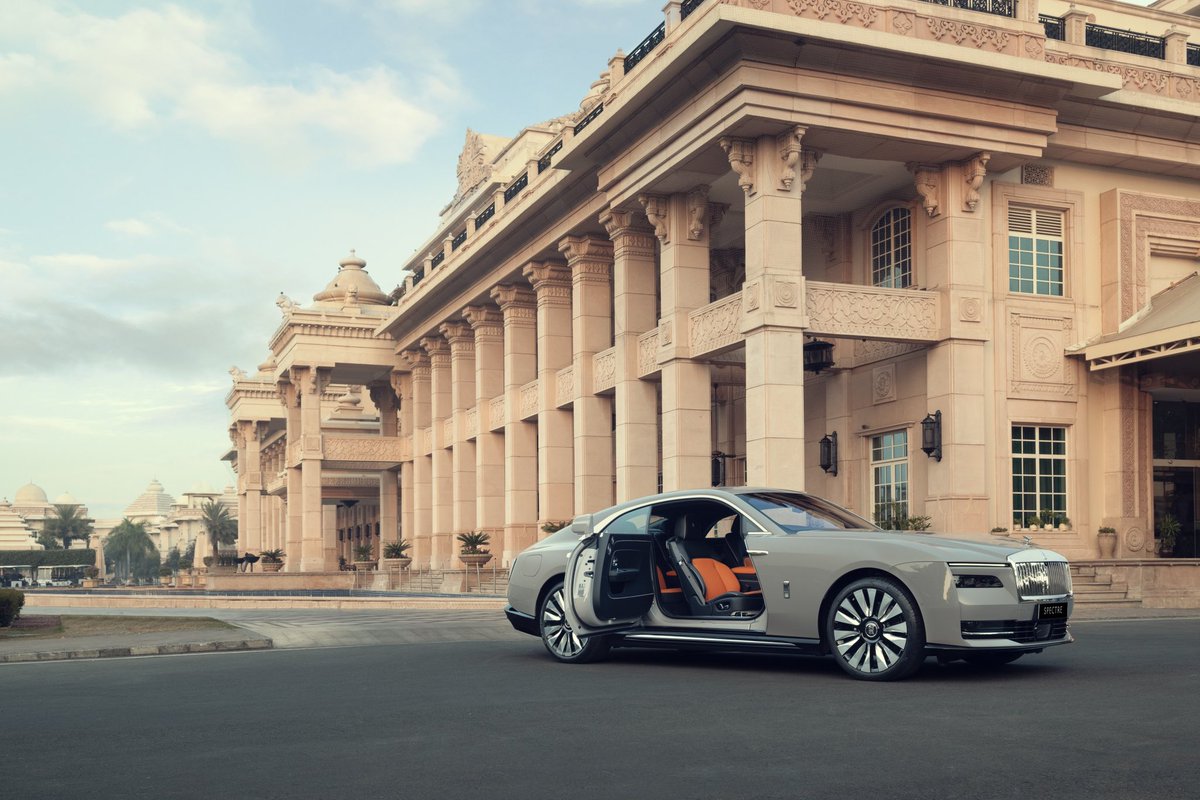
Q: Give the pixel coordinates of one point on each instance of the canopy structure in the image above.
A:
(1168, 326)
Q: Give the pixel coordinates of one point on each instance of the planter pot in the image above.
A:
(90, 583)
(185, 579)
(363, 566)
(475, 559)
(271, 566)
(164, 580)
(396, 564)
(1108, 545)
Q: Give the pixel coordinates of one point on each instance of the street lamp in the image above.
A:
(818, 355)
(931, 435)
(829, 453)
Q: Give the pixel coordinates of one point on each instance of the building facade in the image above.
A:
(925, 260)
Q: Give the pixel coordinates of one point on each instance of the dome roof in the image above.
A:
(65, 499)
(14, 534)
(30, 495)
(352, 283)
(154, 502)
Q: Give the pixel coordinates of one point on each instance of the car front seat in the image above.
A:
(711, 588)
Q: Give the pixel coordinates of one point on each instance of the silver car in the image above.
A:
(777, 570)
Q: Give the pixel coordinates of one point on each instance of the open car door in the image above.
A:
(610, 576)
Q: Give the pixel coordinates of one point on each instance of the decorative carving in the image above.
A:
(383, 449)
(970, 309)
(519, 305)
(448, 437)
(657, 209)
(843, 10)
(604, 370)
(927, 180)
(1135, 539)
(789, 152)
(666, 332)
(716, 325)
(286, 304)
(237, 373)
(979, 35)
(785, 293)
(902, 22)
(474, 165)
(551, 282)
(529, 400)
(883, 384)
(496, 412)
(487, 322)
(630, 238)
(872, 311)
(697, 211)
(1135, 78)
(417, 362)
(438, 350)
(461, 337)
(589, 257)
(1038, 366)
(973, 175)
(1037, 174)
(471, 423)
(741, 159)
(564, 386)
(751, 295)
(1139, 216)
(1034, 46)
(647, 345)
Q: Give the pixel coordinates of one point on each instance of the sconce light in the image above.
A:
(718, 468)
(829, 454)
(931, 435)
(818, 355)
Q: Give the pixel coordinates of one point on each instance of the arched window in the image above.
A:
(891, 249)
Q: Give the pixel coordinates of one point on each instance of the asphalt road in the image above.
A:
(1115, 716)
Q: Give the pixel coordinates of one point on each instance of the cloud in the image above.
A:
(153, 67)
(88, 262)
(129, 227)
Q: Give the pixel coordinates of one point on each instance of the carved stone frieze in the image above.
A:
(1141, 219)
(1038, 367)
(867, 351)
(842, 309)
(716, 325)
(448, 437)
(657, 211)
(383, 449)
(1142, 79)
(496, 413)
(980, 36)
(604, 370)
(844, 11)
(529, 400)
(741, 160)
(471, 423)
(647, 349)
(564, 386)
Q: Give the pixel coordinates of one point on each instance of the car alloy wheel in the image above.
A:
(558, 636)
(874, 630)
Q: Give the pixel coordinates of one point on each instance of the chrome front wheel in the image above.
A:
(561, 640)
(875, 631)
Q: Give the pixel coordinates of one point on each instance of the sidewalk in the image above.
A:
(133, 644)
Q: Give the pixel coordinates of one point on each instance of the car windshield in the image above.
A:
(800, 512)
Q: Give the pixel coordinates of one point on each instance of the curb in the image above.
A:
(139, 650)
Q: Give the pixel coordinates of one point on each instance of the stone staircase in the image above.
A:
(1094, 589)
(485, 581)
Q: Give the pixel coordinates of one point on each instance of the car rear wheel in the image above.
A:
(561, 641)
(875, 630)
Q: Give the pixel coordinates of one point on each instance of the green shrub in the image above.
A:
(11, 603)
(46, 558)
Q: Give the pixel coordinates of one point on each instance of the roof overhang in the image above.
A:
(1170, 325)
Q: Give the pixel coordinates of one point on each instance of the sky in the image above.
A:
(167, 169)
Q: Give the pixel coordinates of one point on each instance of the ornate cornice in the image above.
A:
(517, 303)
(551, 282)
(418, 362)
(438, 350)
(460, 335)
(589, 257)
(486, 321)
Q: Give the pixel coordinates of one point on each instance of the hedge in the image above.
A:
(46, 558)
(11, 602)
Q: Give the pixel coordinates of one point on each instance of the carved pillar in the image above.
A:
(556, 464)
(289, 393)
(441, 477)
(402, 386)
(422, 469)
(250, 480)
(590, 261)
(389, 489)
(635, 400)
(488, 325)
(520, 437)
(773, 177)
(680, 222)
(462, 397)
(312, 382)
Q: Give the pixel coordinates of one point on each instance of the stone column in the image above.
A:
(635, 400)
(422, 467)
(389, 489)
(681, 222)
(462, 397)
(556, 461)
(590, 261)
(312, 382)
(293, 518)
(442, 477)
(402, 386)
(520, 437)
(772, 171)
(250, 476)
(487, 323)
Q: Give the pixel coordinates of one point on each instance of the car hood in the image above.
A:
(950, 549)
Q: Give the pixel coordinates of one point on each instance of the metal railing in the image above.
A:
(458, 239)
(544, 161)
(1123, 41)
(1001, 8)
(516, 187)
(1193, 55)
(645, 46)
(595, 112)
(485, 215)
(438, 259)
(1055, 28)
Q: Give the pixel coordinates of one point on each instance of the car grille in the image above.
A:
(1042, 578)
(1016, 630)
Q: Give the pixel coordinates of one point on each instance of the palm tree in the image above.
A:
(221, 528)
(68, 524)
(130, 548)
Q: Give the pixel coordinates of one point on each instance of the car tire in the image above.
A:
(990, 660)
(558, 637)
(874, 630)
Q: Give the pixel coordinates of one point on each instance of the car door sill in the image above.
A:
(729, 640)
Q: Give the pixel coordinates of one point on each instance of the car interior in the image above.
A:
(702, 567)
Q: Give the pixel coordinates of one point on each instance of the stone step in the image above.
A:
(1095, 588)
(1077, 571)
(1117, 602)
(1103, 597)
(1092, 580)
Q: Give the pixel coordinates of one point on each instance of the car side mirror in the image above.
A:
(582, 526)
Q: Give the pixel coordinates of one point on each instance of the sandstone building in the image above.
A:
(924, 259)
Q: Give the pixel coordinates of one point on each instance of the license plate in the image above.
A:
(1052, 611)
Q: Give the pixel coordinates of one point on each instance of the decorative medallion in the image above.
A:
(883, 384)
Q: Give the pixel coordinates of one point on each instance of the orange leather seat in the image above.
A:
(718, 578)
(663, 588)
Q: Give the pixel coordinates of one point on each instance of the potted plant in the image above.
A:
(395, 555)
(1033, 521)
(1168, 529)
(999, 531)
(1064, 523)
(473, 551)
(363, 559)
(91, 577)
(164, 576)
(272, 560)
(1106, 537)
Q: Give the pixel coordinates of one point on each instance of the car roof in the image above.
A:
(727, 492)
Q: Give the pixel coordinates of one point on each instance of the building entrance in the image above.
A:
(1177, 477)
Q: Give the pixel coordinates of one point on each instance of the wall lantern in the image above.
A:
(931, 435)
(818, 355)
(829, 453)
(718, 468)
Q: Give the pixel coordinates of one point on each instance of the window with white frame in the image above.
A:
(1039, 474)
(891, 249)
(1035, 251)
(889, 478)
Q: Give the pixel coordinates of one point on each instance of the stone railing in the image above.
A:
(838, 309)
(471, 423)
(604, 370)
(716, 326)
(448, 437)
(648, 353)
(564, 387)
(529, 400)
(278, 483)
(426, 440)
(496, 413)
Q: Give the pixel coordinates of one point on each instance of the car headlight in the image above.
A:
(977, 582)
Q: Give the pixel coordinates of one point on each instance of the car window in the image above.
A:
(636, 521)
(799, 512)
